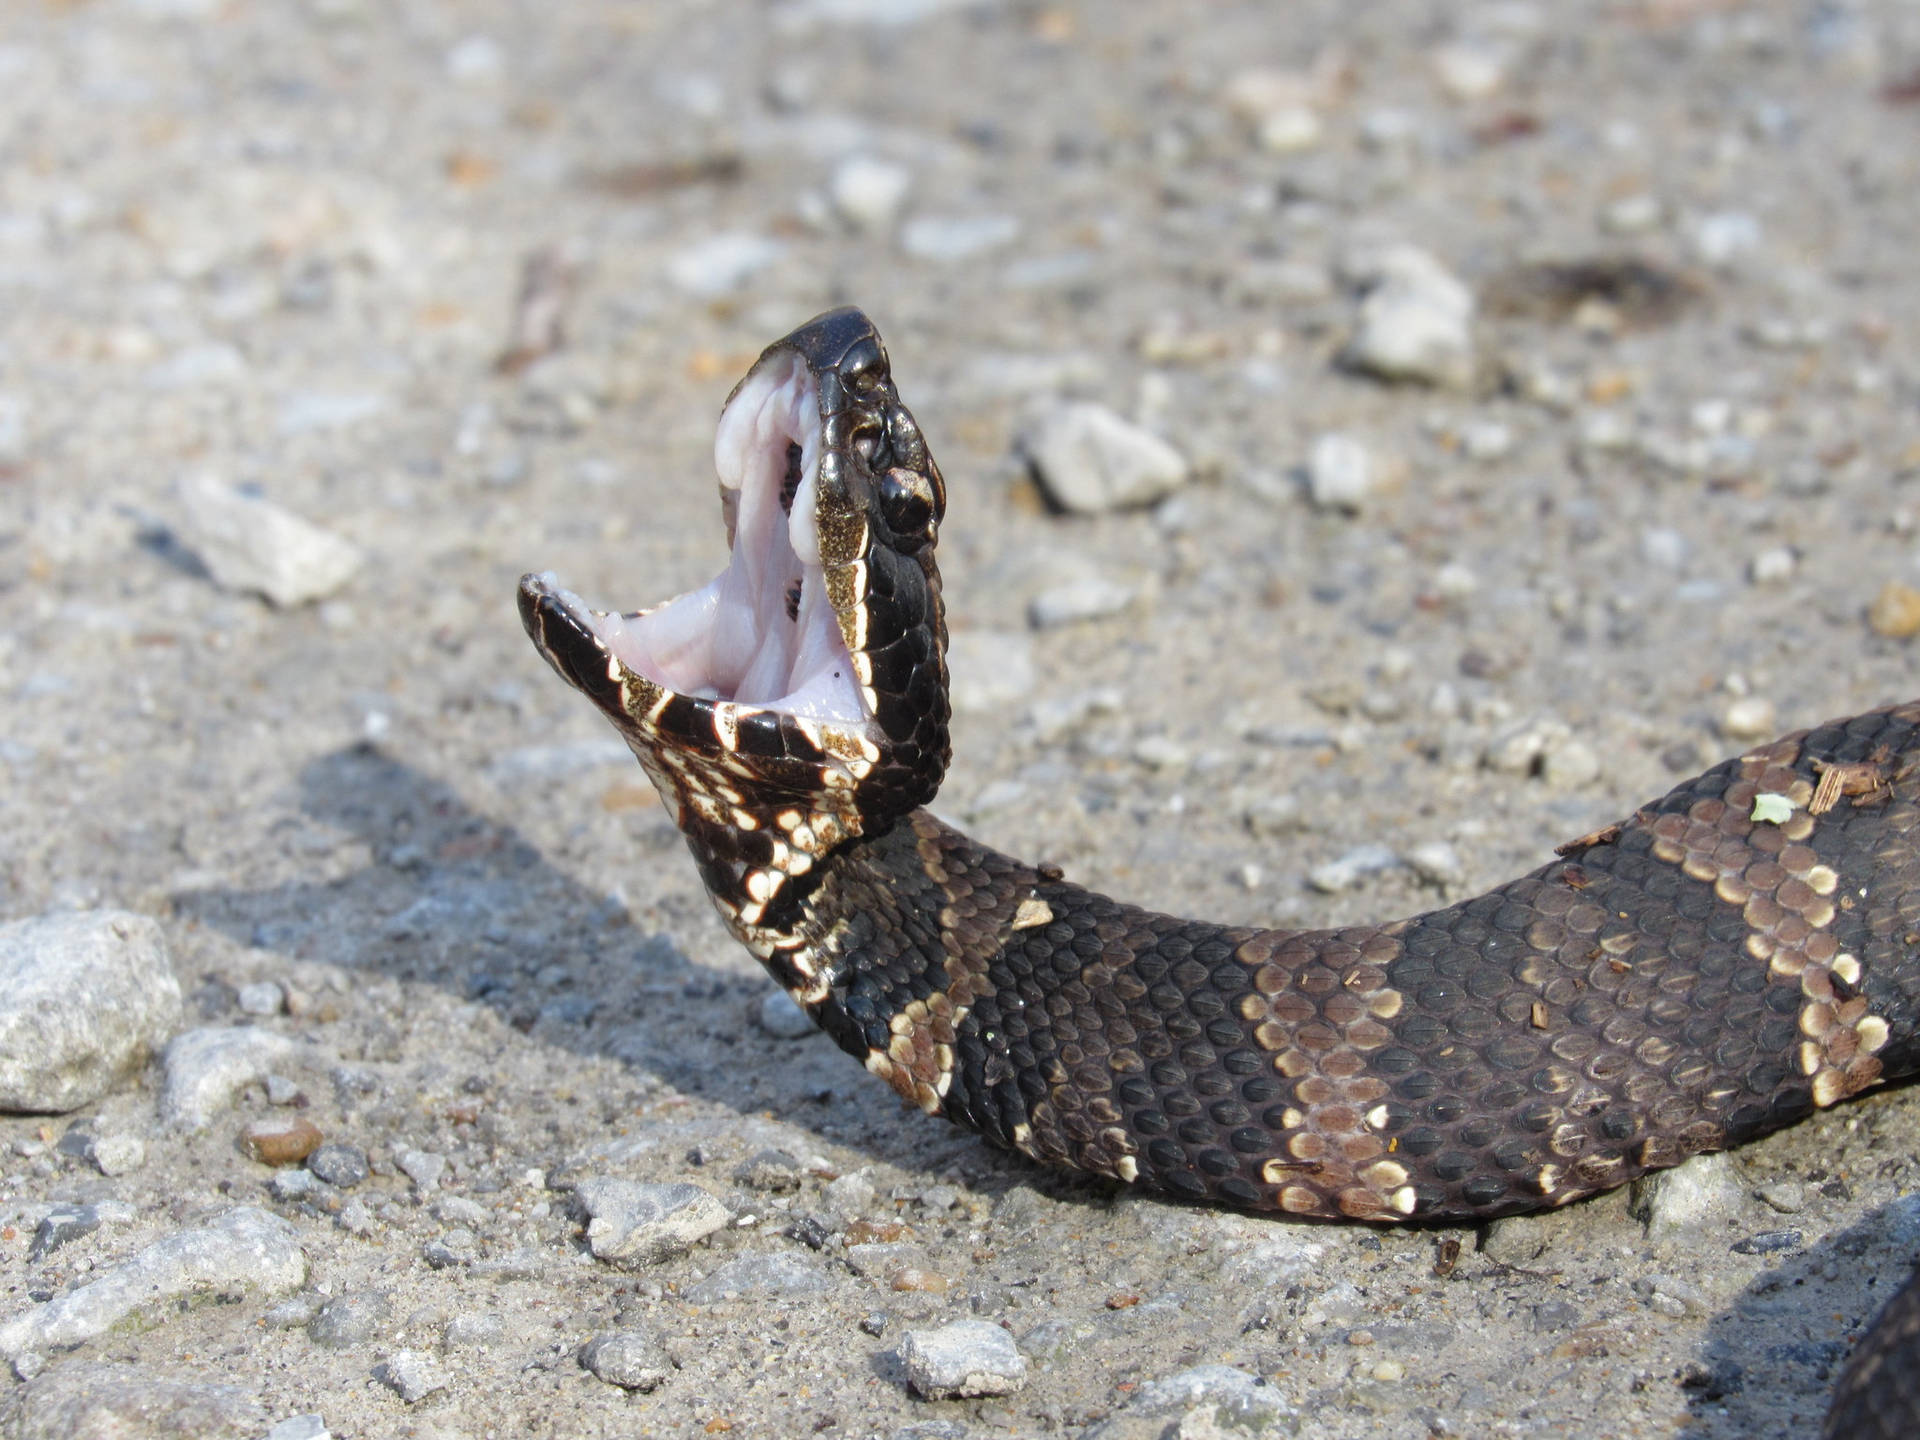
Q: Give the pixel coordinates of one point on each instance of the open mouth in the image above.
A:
(763, 633)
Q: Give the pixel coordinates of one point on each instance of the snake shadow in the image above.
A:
(458, 899)
(1772, 1359)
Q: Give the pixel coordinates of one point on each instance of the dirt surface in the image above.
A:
(465, 284)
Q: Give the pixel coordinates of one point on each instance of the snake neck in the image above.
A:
(1686, 980)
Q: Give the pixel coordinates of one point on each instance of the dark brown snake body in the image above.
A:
(1721, 963)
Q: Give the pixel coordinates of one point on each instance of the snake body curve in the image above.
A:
(1719, 964)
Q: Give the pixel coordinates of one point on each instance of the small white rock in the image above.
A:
(1289, 129)
(1689, 1196)
(966, 1358)
(475, 60)
(633, 1225)
(1470, 70)
(1415, 321)
(261, 997)
(1436, 863)
(1454, 581)
(782, 1017)
(957, 237)
(1773, 566)
(1089, 460)
(1751, 717)
(1486, 441)
(1570, 765)
(723, 263)
(250, 544)
(119, 1154)
(1725, 236)
(1664, 547)
(1634, 214)
(412, 1375)
(1351, 868)
(1078, 601)
(207, 1067)
(868, 191)
(1339, 472)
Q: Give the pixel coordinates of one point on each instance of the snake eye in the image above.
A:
(909, 503)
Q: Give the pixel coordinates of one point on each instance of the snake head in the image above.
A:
(798, 699)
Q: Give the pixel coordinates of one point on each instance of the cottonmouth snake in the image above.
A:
(1719, 964)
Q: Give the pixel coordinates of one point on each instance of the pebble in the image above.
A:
(339, 1164)
(631, 1359)
(1725, 236)
(245, 1249)
(1415, 321)
(989, 670)
(251, 545)
(631, 1225)
(771, 1170)
(411, 1374)
(779, 1276)
(1436, 863)
(849, 1196)
(1470, 70)
(1895, 611)
(85, 998)
(1689, 1196)
(1077, 601)
(117, 1154)
(1351, 868)
(1486, 441)
(1339, 473)
(58, 1227)
(868, 191)
(1671, 1296)
(1664, 547)
(722, 264)
(1789, 1197)
(1570, 765)
(1289, 129)
(424, 1167)
(1519, 1239)
(476, 59)
(783, 1017)
(1208, 1400)
(1090, 460)
(949, 238)
(280, 1140)
(353, 1319)
(87, 1401)
(965, 1359)
(262, 998)
(1634, 214)
(473, 1331)
(206, 1068)
(300, 1427)
(1750, 717)
(1773, 566)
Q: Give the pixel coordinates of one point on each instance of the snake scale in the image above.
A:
(1723, 962)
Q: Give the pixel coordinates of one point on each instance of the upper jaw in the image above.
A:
(822, 643)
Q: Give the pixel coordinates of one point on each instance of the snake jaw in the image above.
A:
(798, 699)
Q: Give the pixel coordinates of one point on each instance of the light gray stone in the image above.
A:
(1351, 868)
(1436, 863)
(81, 1401)
(262, 997)
(1415, 321)
(412, 1375)
(1208, 1402)
(1690, 1196)
(782, 1017)
(1090, 460)
(300, 1427)
(723, 263)
(631, 1359)
(869, 191)
(1339, 473)
(352, 1319)
(206, 1068)
(1078, 601)
(249, 544)
(425, 1168)
(244, 1249)
(950, 238)
(966, 1358)
(85, 998)
(117, 1154)
(632, 1225)
(780, 1276)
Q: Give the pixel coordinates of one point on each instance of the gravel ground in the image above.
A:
(1541, 393)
